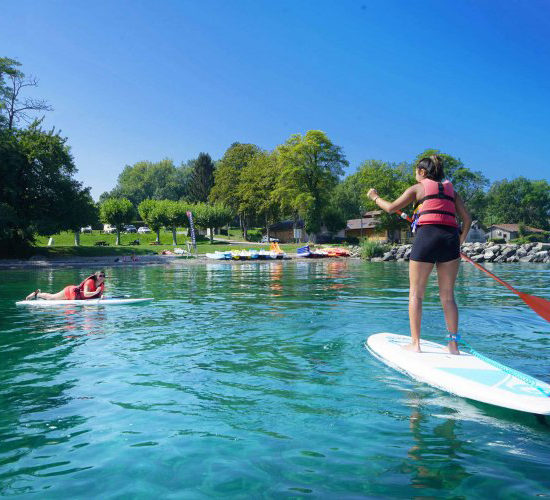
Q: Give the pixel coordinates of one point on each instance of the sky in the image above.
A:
(153, 79)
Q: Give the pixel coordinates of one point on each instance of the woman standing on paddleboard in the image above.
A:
(437, 242)
(91, 288)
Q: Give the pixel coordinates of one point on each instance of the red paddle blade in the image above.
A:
(538, 304)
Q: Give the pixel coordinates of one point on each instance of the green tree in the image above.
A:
(347, 196)
(310, 166)
(258, 182)
(227, 178)
(211, 216)
(173, 214)
(116, 212)
(151, 213)
(148, 180)
(84, 211)
(519, 201)
(390, 180)
(201, 179)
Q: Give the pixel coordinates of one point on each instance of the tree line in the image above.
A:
(303, 178)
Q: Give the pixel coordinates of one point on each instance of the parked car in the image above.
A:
(86, 229)
(271, 240)
(130, 228)
(143, 230)
(108, 229)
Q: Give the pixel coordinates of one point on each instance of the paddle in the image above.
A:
(538, 304)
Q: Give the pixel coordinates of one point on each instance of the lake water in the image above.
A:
(252, 381)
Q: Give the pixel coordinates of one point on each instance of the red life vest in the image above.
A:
(438, 204)
(92, 288)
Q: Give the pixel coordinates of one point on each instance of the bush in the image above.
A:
(352, 240)
(533, 238)
(496, 240)
(372, 248)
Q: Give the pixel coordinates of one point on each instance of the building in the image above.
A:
(288, 231)
(509, 231)
(366, 227)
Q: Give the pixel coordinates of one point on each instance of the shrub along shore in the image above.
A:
(479, 252)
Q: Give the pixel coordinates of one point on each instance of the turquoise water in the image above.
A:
(251, 381)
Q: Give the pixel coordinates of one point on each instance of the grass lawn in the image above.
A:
(64, 245)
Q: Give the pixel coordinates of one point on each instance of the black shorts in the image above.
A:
(435, 243)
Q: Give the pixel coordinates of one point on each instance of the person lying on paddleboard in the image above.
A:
(91, 288)
(437, 241)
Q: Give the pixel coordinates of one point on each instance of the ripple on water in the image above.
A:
(252, 380)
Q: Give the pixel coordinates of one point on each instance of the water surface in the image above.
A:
(251, 380)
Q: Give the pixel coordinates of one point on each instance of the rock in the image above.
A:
(527, 258)
(376, 259)
(387, 256)
(521, 252)
(478, 258)
(540, 256)
(514, 258)
(541, 246)
(500, 259)
(493, 248)
(489, 256)
(508, 251)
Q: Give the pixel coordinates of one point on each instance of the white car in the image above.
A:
(86, 229)
(143, 230)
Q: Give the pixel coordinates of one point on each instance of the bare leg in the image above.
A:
(419, 272)
(47, 296)
(446, 277)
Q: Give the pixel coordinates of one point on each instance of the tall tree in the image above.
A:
(257, 186)
(84, 211)
(201, 179)
(149, 180)
(151, 213)
(211, 216)
(13, 83)
(116, 212)
(310, 166)
(519, 201)
(227, 178)
(390, 180)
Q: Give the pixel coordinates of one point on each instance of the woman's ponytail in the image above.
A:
(433, 165)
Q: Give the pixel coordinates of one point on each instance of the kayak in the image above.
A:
(466, 375)
(87, 302)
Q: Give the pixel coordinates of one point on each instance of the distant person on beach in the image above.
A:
(91, 288)
(437, 242)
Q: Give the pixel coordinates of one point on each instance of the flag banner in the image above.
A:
(192, 229)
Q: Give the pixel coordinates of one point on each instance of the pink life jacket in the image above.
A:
(438, 204)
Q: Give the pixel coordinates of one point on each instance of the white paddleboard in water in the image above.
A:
(87, 302)
(465, 375)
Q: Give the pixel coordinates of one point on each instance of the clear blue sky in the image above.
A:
(144, 80)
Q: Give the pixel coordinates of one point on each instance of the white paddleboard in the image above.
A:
(465, 375)
(87, 302)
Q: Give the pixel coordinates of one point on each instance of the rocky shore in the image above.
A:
(483, 252)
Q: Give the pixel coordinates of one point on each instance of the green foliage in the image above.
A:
(151, 213)
(519, 201)
(211, 216)
(334, 218)
(372, 248)
(309, 169)
(258, 181)
(390, 180)
(116, 212)
(37, 191)
(227, 175)
(347, 197)
(533, 238)
(201, 179)
(148, 180)
(496, 240)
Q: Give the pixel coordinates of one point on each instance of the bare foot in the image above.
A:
(412, 347)
(453, 348)
(32, 296)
